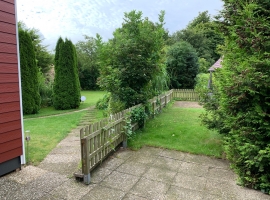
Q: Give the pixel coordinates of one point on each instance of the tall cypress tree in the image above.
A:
(66, 83)
(56, 57)
(29, 74)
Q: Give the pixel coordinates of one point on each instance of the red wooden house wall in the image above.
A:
(11, 143)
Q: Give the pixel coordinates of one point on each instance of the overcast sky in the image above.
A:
(75, 18)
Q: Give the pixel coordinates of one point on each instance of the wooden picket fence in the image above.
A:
(185, 95)
(99, 139)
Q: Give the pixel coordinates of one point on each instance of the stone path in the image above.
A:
(150, 173)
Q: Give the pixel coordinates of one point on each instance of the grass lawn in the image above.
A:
(179, 129)
(91, 98)
(46, 133)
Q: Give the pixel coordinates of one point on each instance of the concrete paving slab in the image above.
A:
(8, 188)
(167, 163)
(150, 151)
(48, 197)
(193, 169)
(150, 189)
(68, 144)
(207, 160)
(112, 163)
(72, 138)
(158, 174)
(67, 169)
(140, 158)
(250, 194)
(189, 182)
(124, 153)
(71, 190)
(27, 174)
(47, 182)
(25, 193)
(99, 174)
(67, 150)
(133, 197)
(102, 193)
(177, 155)
(221, 174)
(187, 194)
(133, 168)
(62, 158)
(224, 189)
(120, 181)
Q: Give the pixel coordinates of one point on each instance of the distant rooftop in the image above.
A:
(216, 65)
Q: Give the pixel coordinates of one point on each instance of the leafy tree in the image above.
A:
(132, 60)
(202, 35)
(43, 57)
(202, 18)
(182, 65)
(66, 91)
(203, 66)
(243, 87)
(88, 63)
(29, 74)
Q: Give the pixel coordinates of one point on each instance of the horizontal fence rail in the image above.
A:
(99, 139)
(185, 95)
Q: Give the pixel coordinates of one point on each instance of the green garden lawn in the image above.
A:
(179, 129)
(91, 98)
(47, 128)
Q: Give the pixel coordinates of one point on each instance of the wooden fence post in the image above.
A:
(124, 143)
(85, 161)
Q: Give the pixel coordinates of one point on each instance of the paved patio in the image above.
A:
(150, 173)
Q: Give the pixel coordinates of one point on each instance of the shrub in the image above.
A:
(243, 87)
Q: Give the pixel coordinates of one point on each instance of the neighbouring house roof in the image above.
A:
(216, 65)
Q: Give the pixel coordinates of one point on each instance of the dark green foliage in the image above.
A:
(88, 63)
(60, 41)
(43, 57)
(202, 35)
(182, 65)
(29, 74)
(66, 91)
(88, 78)
(242, 90)
(133, 60)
